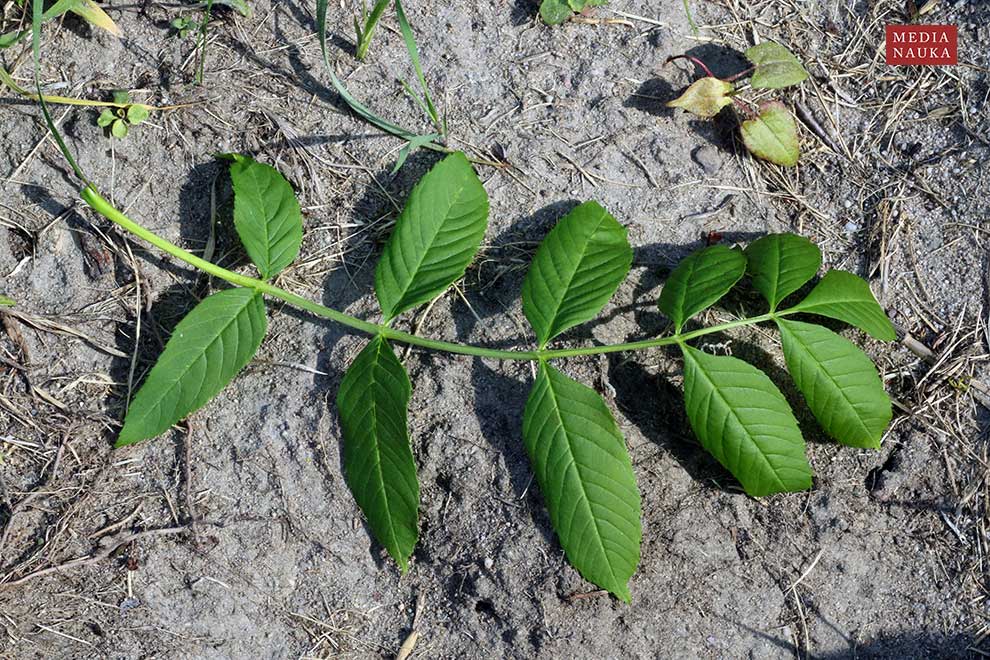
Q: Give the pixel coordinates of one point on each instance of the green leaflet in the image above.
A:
(586, 477)
(266, 215)
(838, 381)
(845, 297)
(554, 12)
(699, 281)
(6, 302)
(744, 421)
(435, 237)
(576, 270)
(780, 264)
(208, 347)
(772, 135)
(378, 460)
(776, 66)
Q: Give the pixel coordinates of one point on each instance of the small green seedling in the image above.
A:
(184, 26)
(555, 12)
(6, 302)
(768, 128)
(577, 450)
(364, 27)
(118, 120)
(413, 140)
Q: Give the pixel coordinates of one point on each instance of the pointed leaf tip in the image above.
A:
(378, 460)
(583, 469)
(267, 216)
(843, 296)
(780, 264)
(744, 421)
(206, 350)
(435, 238)
(576, 270)
(699, 281)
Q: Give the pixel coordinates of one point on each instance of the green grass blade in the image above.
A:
(845, 297)
(699, 281)
(36, 18)
(204, 27)
(410, 39)
(378, 460)
(206, 350)
(780, 264)
(577, 268)
(743, 420)
(371, 22)
(839, 382)
(356, 106)
(266, 215)
(584, 472)
(435, 237)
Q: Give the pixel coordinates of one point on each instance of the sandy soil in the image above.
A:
(885, 557)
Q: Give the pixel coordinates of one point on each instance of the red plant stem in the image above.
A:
(701, 65)
(741, 74)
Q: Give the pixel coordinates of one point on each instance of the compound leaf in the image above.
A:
(586, 477)
(206, 350)
(699, 281)
(744, 421)
(705, 97)
(266, 215)
(378, 460)
(576, 270)
(776, 66)
(772, 135)
(838, 381)
(435, 237)
(780, 264)
(846, 297)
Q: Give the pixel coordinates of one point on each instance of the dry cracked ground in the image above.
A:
(234, 536)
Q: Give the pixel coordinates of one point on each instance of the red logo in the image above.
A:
(936, 45)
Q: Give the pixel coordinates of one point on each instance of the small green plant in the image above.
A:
(364, 27)
(6, 302)
(576, 448)
(184, 26)
(768, 129)
(119, 119)
(413, 140)
(555, 12)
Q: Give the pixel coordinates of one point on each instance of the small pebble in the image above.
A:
(707, 156)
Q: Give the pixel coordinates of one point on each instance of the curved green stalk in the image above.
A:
(107, 210)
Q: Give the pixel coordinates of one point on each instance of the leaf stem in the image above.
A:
(96, 201)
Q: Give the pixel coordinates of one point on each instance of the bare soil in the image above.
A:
(884, 557)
